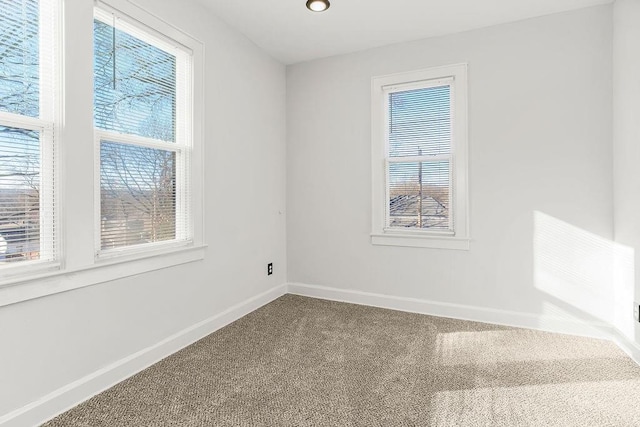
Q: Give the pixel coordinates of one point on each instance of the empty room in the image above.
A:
(319, 213)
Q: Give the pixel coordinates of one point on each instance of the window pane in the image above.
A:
(19, 194)
(419, 195)
(137, 195)
(19, 73)
(134, 85)
(420, 122)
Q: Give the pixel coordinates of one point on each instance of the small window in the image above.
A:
(420, 159)
(143, 128)
(27, 128)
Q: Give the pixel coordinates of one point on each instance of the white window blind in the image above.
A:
(28, 51)
(419, 156)
(143, 125)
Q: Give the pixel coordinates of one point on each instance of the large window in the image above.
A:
(101, 145)
(27, 127)
(420, 158)
(142, 119)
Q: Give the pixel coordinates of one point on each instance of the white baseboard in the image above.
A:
(456, 311)
(78, 391)
(626, 344)
(541, 322)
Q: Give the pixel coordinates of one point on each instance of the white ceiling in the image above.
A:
(291, 33)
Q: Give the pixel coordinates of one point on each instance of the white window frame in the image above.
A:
(46, 124)
(381, 87)
(182, 146)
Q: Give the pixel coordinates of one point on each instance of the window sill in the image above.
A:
(25, 288)
(420, 241)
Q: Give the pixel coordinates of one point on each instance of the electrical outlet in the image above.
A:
(269, 269)
(636, 311)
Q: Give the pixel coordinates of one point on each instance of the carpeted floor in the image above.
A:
(307, 362)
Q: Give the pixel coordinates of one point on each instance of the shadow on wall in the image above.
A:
(587, 276)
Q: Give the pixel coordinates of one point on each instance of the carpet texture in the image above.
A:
(307, 362)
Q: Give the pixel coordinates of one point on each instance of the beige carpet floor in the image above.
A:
(307, 362)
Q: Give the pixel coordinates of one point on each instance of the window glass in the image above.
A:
(134, 85)
(19, 194)
(19, 57)
(138, 195)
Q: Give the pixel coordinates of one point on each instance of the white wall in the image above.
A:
(49, 342)
(626, 141)
(540, 141)
(541, 182)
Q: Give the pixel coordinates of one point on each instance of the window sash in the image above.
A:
(388, 217)
(46, 203)
(184, 65)
(183, 234)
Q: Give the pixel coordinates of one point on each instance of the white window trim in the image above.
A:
(74, 269)
(380, 86)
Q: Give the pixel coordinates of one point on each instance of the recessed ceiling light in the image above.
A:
(318, 5)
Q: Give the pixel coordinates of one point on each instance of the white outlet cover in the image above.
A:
(636, 311)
